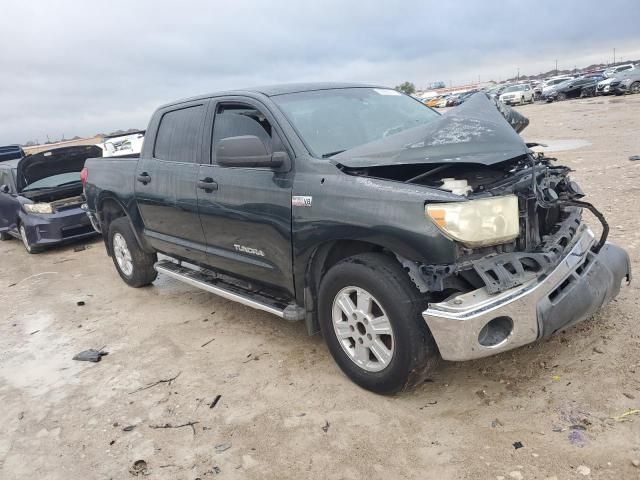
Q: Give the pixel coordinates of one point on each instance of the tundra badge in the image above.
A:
(252, 251)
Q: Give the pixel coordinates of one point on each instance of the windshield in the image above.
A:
(54, 181)
(331, 121)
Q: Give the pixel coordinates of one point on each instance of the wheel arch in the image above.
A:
(110, 208)
(322, 258)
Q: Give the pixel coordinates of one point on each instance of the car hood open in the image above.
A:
(54, 162)
(480, 131)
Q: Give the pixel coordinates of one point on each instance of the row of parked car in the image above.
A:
(617, 80)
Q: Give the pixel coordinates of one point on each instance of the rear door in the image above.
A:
(246, 216)
(166, 180)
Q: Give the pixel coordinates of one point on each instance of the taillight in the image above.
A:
(84, 176)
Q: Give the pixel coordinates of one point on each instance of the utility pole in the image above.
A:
(556, 67)
(518, 77)
(614, 56)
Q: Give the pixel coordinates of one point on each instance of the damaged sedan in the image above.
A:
(41, 197)
(402, 235)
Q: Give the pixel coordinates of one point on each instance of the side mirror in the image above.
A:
(4, 189)
(247, 151)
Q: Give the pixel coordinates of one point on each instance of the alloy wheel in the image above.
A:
(363, 329)
(122, 254)
(23, 236)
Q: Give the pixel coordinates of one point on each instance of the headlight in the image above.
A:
(478, 223)
(38, 208)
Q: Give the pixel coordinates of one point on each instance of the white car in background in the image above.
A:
(122, 145)
(517, 94)
(612, 71)
(548, 85)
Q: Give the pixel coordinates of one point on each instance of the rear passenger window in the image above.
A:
(235, 120)
(179, 137)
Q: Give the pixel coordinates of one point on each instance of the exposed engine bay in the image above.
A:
(550, 211)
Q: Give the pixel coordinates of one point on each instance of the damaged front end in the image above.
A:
(527, 265)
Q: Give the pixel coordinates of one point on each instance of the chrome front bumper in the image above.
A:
(582, 282)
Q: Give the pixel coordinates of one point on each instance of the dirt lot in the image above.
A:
(286, 411)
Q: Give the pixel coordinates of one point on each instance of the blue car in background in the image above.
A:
(41, 196)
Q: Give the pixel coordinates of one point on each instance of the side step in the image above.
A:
(209, 282)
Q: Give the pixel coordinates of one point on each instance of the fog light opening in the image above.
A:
(495, 332)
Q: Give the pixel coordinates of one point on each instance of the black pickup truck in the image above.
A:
(403, 235)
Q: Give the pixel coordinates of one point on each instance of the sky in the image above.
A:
(86, 67)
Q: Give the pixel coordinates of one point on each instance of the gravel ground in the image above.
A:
(285, 410)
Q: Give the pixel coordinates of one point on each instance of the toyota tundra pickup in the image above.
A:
(403, 235)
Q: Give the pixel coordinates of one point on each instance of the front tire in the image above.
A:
(634, 87)
(370, 317)
(561, 96)
(134, 265)
(25, 241)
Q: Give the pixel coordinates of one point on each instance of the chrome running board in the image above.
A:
(207, 281)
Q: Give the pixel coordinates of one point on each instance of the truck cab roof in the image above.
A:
(274, 90)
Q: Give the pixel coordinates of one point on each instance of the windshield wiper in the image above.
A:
(331, 154)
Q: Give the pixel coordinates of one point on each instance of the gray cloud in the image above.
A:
(80, 68)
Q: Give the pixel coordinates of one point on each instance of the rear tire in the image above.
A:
(134, 265)
(634, 87)
(383, 345)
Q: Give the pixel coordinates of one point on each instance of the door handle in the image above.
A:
(207, 184)
(144, 178)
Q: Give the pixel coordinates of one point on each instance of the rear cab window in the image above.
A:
(179, 136)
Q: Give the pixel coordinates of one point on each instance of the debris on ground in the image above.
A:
(634, 157)
(128, 428)
(629, 395)
(496, 423)
(80, 303)
(325, 428)
(215, 401)
(223, 447)
(168, 381)
(625, 416)
(583, 470)
(139, 467)
(598, 350)
(635, 462)
(34, 332)
(169, 425)
(207, 343)
(518, 445)
(91, 355)
(80, 248)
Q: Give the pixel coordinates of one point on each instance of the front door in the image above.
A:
(166, 184)
(8, 203)
(246, 217)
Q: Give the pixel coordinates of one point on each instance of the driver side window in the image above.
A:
(236, 120)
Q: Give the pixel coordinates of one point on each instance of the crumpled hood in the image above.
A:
(54, 162)
(478, 131)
